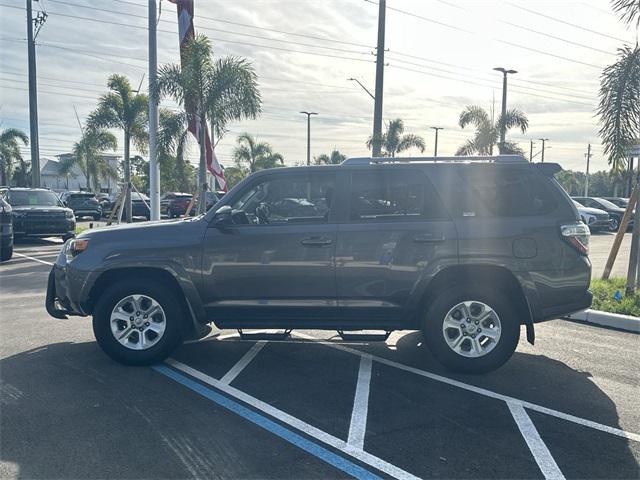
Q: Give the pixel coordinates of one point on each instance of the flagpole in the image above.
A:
(154, 171)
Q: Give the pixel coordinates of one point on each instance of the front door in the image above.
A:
(276, 264)
(397, 234)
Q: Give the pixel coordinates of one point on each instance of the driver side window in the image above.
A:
(286, 199)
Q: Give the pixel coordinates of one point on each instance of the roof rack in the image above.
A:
(476, 159)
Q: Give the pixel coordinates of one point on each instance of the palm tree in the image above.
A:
(10, 152)
(172, 145)
(395, 141)
(488, 133)
(335, 158)
(627, 10)
(124, 109)
(257, 155)
(87, 154)
(221, 91)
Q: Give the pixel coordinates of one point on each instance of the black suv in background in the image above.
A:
(83, 204)
(615, 212)
(39, 212)
(6, 231)
(465, 249)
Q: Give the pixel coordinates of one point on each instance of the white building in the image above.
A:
(51, 176)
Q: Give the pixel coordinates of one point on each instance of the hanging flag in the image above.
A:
(186, 31)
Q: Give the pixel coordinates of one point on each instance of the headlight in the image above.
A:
(77, 246)
(70, 214)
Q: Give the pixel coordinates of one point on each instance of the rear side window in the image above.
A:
(388, 195)
(505, 192)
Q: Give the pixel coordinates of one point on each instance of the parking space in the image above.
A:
(308, 406)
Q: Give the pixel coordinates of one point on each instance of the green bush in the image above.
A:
(603, 297)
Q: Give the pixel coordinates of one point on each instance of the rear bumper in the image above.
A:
(561, 310)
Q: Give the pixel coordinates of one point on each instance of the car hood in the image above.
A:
(141, 231)
(37, 208)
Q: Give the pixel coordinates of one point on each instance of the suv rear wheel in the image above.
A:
(471, 330)
(138, 322)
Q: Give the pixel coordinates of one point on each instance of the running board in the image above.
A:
(364, 337)
(265, 335)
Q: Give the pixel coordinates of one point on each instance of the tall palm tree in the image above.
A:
(335, 158)
(127, 110)
(87, 154)
(221, 91)
(256, 155)
(487, 132)
(10, 140)
(172, 145)
(395, 141)
(628, 11)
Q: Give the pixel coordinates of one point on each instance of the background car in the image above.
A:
(211, 199)
(40, 213)
(6, 231)
(83, 204)
(595, 219)
(139, 205)
(615, 212)
(618, 201)
(175, 204)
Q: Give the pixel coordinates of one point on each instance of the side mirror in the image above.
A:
(223, 217)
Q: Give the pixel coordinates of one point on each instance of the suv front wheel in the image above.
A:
(471, 330)
(138, 322)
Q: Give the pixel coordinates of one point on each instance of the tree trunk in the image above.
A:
(3, 173)
(202, 171)
(127, 178)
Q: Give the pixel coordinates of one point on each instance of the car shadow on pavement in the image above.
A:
(69, 411)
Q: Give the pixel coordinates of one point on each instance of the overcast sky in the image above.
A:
(440, 59)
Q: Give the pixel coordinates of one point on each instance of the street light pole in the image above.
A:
(363, 87)
(435, 148)
(377, 111)
(544, 141)
(308, 114)
(503, 126)
(586, 180)
(531, 151)
(154, 172)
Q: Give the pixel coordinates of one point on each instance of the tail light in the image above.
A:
(577, 235)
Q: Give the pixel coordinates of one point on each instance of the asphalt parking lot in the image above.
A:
(308, 406)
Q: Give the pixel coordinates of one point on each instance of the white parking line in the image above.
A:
(487, 393)
(242, 363)
(300, 425)
(358, 426)
(539, 450)
(32, 258)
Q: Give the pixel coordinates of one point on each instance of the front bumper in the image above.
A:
(28, 227)
(58, 301)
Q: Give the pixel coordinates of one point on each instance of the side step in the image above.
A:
(364, 337)
(265, 335)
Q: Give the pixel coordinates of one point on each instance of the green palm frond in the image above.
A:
(627, 10)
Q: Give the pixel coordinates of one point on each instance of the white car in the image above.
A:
(594, 218)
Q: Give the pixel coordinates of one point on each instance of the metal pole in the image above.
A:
(154, 171)
(586, 180)
(33, 101)
(435, 148)
(531, 151)
(503, 116)
(544, 142)
(202, 170)
(634, 254)
(377, 112)
(308, 114)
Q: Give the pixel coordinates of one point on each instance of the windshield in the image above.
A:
(35, 197)
(607, 203)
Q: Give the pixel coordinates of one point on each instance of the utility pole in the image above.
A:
(308, 114)
(531, 151)
(33, 91)
(154, 171)
(543, 140)
(377, 111)
(586, 180)
(435, 148)
(503, 126)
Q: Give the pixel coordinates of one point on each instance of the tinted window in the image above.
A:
(388, 195)
(504, 192)
(47, 199)
(606, 204)
(287, 199)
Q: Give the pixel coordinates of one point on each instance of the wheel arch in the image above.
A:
(470, 275)
(108, 277)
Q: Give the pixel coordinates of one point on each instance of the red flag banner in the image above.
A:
(185, 32)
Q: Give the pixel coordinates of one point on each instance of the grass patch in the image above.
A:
(603, 297)
(80, 229)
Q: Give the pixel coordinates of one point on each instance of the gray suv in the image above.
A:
(465, 249)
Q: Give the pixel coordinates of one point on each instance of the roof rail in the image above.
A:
(474, 159)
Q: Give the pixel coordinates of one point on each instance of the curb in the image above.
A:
(605, 319)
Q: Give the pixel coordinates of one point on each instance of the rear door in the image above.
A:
(397, 234)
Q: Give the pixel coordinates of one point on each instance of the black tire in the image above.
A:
(503, 350)
(97, 217)
(614, 224)
(175, 323)
(6, 253)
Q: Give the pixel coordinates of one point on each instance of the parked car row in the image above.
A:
(602, 213)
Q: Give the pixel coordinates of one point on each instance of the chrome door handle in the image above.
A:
(428, 238)
(316, 242)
